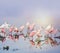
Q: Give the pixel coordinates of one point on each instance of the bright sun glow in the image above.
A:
(43, 18)
(44, 21)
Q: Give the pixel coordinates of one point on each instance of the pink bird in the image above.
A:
(16, 29)
(11, 28)
(38, 33)
(11, 37)
(50, 30)
(32, 33)
(32, 42)
(21, 28)
(52, 42)
(3, 31)
(30, 26)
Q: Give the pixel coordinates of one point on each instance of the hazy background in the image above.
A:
(18, 12)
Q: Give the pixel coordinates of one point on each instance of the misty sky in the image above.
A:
(27, 10)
